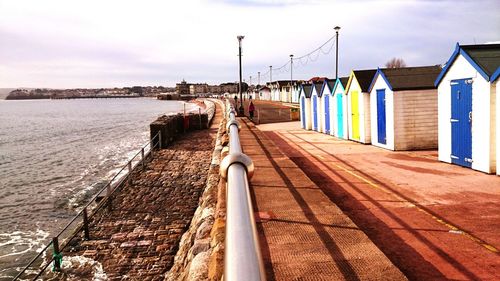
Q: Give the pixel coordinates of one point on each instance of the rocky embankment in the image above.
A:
(173, 197)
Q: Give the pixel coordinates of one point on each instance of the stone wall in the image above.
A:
(171, 126)
(201, 250)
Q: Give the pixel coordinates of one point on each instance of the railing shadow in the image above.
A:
(403, 255)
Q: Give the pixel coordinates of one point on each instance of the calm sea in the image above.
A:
(54, 154)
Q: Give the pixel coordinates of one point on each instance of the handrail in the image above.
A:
(243, 259)
(110, 188)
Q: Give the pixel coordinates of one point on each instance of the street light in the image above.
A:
(291, 75)
(337, 28)
(241, 109)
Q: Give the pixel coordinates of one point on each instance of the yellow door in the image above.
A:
(355, 115)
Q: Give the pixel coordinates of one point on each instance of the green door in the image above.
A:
(355, 115)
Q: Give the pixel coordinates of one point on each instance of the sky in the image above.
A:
(118, 43)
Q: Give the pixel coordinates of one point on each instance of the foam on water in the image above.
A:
(55, 155)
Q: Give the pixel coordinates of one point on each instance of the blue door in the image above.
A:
(461, 122)
(340, 116)
(315, 112)
(381, 128)
(303, 111)
(327, 113)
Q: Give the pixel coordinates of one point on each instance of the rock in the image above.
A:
(198, 269)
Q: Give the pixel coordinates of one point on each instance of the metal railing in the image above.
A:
(243, 259)
(81, 220)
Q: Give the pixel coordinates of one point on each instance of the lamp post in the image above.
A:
(270, 73)
(337, 28)
(291, 76)
(258, 79)
(241, 109)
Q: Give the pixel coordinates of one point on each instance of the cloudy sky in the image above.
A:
(95, 43)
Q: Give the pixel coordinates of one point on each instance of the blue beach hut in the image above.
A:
(326, 102)
(467, 102)
(316, 113)
(305, 106)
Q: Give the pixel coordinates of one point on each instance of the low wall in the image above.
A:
(201, 250)
(170, 126)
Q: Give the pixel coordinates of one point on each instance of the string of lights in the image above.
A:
(303, 60)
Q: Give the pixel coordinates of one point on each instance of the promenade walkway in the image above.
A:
(433, 220)
(303, 234)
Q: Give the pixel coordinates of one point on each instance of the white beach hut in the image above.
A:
(403, 108)
(496, 77)
(295, 91)
(305, 106)
(326, 104)
(358, 105)
(338, 109)
(265, 93)
(316, 114)
(467, 107)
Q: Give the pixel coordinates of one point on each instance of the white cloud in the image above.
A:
(117, 43)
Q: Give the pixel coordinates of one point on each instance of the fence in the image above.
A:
(243, 260)
(37, 266)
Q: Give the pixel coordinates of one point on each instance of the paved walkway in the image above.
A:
(303, 234)
(433, 220)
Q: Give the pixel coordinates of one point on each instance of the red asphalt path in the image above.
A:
(433, 220)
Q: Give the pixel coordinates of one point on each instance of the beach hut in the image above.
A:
(403, 108)
(466, 107)
(496, 78)
(295, 91)
(338, 109)
(305, 106)
(316, 114)
(326, 102)
(358, 105)
(265, 93)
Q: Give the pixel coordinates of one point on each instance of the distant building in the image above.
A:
(182, 88)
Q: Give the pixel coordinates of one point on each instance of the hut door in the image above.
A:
(315, 112)
(461, 122)
(355, 115)
(327, 113)
(303, 111)
(340, 121)
(381, 128)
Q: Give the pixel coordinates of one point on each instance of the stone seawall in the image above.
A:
(171, 126)
(201, 250)
(139, 236)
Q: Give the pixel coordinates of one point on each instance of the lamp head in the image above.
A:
(337, 28)
(240, 37)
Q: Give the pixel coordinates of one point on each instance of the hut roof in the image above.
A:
(318, 85)
(365, 78)
(307, 89)
(485, 58)
(410, 78)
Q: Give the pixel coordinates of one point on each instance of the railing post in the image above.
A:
(159, 140)
(129, 175)
(86, 224)
(56, 254)
(142, 159)
(108, 194)
(199, 115)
